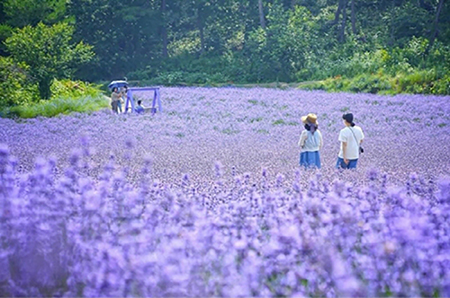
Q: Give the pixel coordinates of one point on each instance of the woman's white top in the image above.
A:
(310, 142)
(353, 137)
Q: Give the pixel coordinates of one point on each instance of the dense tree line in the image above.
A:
(246, 41)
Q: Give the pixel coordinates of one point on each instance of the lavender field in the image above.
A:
(207, 199)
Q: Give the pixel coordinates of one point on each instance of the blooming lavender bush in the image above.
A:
(207, 199)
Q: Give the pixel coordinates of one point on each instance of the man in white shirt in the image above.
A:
(351, 137)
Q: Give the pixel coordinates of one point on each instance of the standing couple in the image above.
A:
(117, 99)
(350, 137)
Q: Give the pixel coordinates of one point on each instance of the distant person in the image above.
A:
(115, 98)
(139, 108)
(310, 142)
(122, 98)
(351, 137)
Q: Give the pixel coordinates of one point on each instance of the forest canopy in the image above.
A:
(373, 46)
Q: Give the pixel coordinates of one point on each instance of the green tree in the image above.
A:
(30, 12)
(18, 14)
(125, 35)
(48, 52)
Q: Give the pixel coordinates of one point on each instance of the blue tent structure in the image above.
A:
(130, 100)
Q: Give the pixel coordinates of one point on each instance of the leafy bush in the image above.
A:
(144, 74)
(416, 68)
(369, 83)
(14, 85)
(441, 86)
(57, 61)
(74, 89)
(169, 78)
(68, 96)
(186, 78)
(417, 82)
(196, 78)
(53, 107)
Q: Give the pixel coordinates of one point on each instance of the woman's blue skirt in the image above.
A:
(310, 159)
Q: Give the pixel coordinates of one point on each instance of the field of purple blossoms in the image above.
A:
(207, 199)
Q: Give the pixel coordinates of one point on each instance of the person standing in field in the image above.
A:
(115, 98)
(351, 137)
(310, 142)
(123, 97)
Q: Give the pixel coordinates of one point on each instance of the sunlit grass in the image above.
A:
(65, 106)
(67, 97)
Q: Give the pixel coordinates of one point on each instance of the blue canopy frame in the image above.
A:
(156, 95)
(156, 98)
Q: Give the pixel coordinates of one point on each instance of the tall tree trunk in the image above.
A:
(44, 86)
(262, 19)
(341, 36)
(353, 16)
(391, 39)
(164, 29)
(243, 8)
(202, 36)
(338, 12)
(436, 23)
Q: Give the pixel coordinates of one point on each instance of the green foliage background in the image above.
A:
(377, 46)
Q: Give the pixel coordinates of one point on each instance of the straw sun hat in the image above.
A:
(310, 118)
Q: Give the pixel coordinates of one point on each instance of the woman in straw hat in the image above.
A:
(310, 142)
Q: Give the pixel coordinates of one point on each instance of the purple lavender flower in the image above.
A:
(90, 211)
